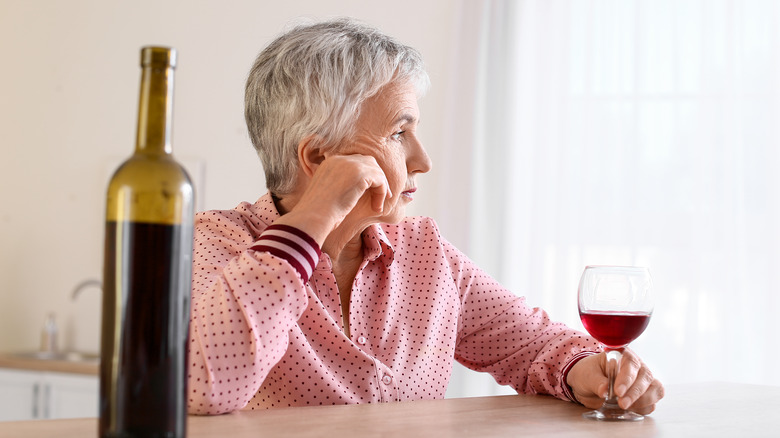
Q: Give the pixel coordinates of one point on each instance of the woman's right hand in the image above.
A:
(340, 185)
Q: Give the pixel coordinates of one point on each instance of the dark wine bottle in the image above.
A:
(147, 273)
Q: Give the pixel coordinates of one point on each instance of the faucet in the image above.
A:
(85, 284)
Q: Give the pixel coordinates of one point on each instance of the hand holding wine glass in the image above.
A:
(615, 305)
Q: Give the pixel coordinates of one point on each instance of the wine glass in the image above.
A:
(615, 304)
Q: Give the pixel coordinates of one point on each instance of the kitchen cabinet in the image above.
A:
(33, 395)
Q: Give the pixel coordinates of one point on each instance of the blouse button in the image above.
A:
(387, 379)
(361, 340)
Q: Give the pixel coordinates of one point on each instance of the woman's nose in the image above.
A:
(418, 161)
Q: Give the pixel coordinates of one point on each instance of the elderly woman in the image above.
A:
(323, 291)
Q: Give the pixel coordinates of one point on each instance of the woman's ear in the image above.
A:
(311, 154)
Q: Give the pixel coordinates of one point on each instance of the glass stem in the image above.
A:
(613, 361)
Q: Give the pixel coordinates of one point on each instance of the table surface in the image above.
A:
(692, 410)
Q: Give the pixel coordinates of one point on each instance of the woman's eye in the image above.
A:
(397, 136)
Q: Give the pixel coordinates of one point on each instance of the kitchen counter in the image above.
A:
(30, 363)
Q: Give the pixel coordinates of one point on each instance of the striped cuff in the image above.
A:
(291, 244)
(567, 391)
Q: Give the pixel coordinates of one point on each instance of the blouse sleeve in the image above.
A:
(246, 295)
(499, 333)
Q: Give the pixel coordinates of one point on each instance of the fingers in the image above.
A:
(628, 373)
(635, 385)
(379, 191)
(645, 404)
(636, 388)
(348, 182)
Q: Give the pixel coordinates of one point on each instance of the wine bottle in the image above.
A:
(147, 273)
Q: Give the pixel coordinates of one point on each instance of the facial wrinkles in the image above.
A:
(384, 114)
(392, 110)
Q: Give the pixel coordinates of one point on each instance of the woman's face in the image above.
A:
(387, 130)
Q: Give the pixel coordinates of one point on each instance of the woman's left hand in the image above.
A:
(636, 388)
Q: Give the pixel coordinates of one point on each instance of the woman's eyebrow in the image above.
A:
(406, 117)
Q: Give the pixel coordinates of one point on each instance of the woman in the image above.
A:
(322, 291)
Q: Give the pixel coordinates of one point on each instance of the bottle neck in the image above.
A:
(155, 111)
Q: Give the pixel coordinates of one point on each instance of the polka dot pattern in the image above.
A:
(262, 335)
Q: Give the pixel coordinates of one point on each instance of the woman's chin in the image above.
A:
(395, 216)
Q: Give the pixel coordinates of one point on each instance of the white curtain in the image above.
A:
(634, 132)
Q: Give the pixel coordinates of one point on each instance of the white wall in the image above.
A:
(68, 102)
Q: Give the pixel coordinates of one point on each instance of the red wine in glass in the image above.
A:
(615, 330)
(615, 304)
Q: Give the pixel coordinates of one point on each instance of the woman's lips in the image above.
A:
(409, 193)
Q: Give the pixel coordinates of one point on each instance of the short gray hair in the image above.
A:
(312, 80)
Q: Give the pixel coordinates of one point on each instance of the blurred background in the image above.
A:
(563, 133)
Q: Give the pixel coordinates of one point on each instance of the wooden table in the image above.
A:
(696, 410)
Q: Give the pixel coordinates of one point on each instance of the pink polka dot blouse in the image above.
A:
(266, 326)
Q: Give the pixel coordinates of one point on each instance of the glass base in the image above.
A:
(612, 412)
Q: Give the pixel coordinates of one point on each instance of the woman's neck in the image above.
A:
(344, 248)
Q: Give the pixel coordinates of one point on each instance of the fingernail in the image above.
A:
(620, 391)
